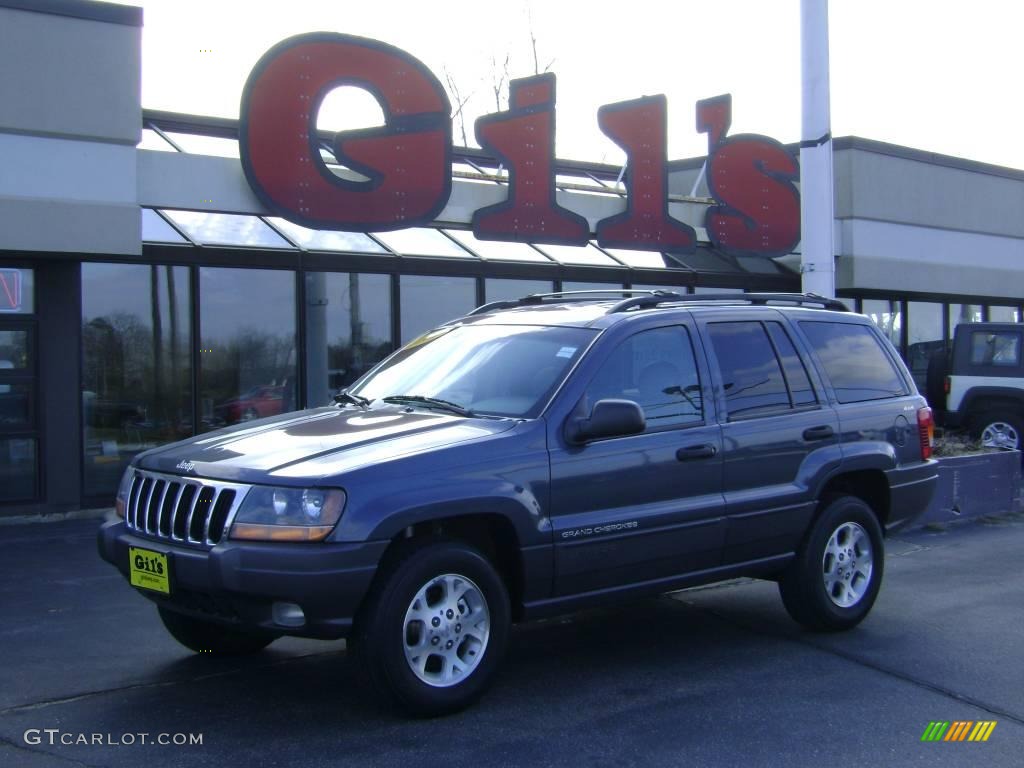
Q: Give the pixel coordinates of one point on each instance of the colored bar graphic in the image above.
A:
(958, 730)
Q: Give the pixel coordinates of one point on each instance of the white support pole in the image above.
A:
(817, 263)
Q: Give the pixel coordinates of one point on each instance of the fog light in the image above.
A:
(288, 615)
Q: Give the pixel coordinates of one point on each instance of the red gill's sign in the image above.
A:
(407, 161)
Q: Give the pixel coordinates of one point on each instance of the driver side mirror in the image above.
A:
(608, 418)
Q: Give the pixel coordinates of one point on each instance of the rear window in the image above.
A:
(1002, 349)
(854, 360)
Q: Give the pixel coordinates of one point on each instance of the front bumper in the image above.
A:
(910, 492)
(237, 583)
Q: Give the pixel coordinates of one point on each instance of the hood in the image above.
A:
(253, 451)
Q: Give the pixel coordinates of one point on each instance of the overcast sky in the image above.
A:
(938, 75)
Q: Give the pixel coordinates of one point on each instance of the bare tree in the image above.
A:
(499, 79)
(533, 45)
(460, 104)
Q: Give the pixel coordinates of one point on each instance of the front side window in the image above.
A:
(493, 370)
(854, 361)
(656, 369)
(1001, 349)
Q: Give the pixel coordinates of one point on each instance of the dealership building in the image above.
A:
(148, 294)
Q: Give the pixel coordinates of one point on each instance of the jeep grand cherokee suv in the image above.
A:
(532, 458)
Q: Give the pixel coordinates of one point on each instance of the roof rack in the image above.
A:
(644, 299)
(564, 297)
(799, 299)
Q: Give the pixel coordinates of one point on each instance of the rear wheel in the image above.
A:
(434, 629)
(834, 579)
(206, 637)
(998, 429)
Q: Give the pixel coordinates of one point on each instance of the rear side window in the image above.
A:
(751, 374)
(1002, 349)
(854, 361)
(796, 375)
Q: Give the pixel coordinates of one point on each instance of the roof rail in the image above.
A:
(562, 297)
(800, 299)
(642, 299)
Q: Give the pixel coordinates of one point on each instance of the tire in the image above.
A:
(206, 637)
(818, 589)
(440, 668)
(998, 429)
(249, 414)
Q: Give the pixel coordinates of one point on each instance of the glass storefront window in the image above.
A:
(247, 345)
(156, 230)
(925, 337)
(963, 313)
(574, 254)
(497, 249)
(642, 259)
(325, 240)
(428, 301)
(17, 291)
(887, 316)
(227, 229)
(348, 329)
(136, 365)
(999, 314)
(579, 285)
(422, 241)
(500, 289)
(17, 469)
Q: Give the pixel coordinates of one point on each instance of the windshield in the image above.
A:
(500, 370)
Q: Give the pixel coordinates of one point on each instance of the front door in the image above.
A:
(644, 507)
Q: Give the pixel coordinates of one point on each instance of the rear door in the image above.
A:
(645, 507)
(875, 396)
(779, 435)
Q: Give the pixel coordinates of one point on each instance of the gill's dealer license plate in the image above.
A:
(149, 570)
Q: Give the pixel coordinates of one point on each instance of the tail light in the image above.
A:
(947, 384)
(926, 427)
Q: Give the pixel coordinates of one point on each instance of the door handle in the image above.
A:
(696, 452)
(818, 433)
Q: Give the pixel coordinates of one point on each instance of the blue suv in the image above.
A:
(536, 457)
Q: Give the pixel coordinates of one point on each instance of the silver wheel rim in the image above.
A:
(999, 434)
(445, 630)
(847, 564)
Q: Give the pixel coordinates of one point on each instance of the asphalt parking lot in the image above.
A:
(714, 676)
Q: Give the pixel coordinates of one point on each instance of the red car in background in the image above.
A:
(264, 400)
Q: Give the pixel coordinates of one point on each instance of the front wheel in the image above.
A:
(207, 637)
(834, 579)
(434, 629)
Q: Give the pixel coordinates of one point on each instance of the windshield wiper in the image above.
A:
(347, 397)
(429, 401)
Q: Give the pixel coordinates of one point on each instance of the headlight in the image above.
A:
(288, 514)
(121, 504)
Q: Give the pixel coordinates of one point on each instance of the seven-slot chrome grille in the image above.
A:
(184, 509)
